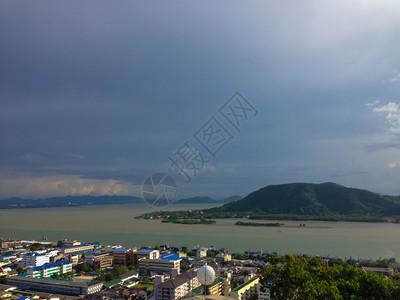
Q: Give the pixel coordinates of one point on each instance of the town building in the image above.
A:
(66, 287)
(202, 252)
(223, 257)
(122, 256)
(34, 259)
(47, 270)
(164, 264)
(99, 260)
(218, 287)
(246, 291)
(8, 258)
(385, 271)
(177, 287)
(77, 249)
(263, 292)
(145, 254)
(68, 243)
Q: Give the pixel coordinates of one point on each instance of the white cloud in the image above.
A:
(31, 186)
(396, 76)
(392, 112)
(373, 103)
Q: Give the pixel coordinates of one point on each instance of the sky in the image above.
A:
(96, 96)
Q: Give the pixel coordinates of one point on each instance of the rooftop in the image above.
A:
(170, 256)
(53, 281)
(34, 254)
(122, 249)
(145, 251)
(46, 266)
(244, 284)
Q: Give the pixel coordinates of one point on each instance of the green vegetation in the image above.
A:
(67, 275)
(147, 286)
(110, 275)
(36, 247)
(348, 218)
(258, 224)
(83, 268)
(188, 222)
(3, 279)
(299, 202)
(20, 270)
(293, 277)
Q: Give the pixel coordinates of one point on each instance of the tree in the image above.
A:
(20, 270)
(191, 253)
(307, 278)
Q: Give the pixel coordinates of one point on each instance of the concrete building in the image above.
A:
(385, 271)
(263, 293)
(65, 287)
(8, 258)
(218, 287)
(223, 257)
(145, 254)
(246, 291)
(34, 259)
(77, 249)
(99, 260)
(177, 287)
(122, 256)
(202, 252)
(69, 243)
(164, 264)
(47, 270)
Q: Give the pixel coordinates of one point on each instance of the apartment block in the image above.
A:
(177, 287)
(66, 287)
(47, 270)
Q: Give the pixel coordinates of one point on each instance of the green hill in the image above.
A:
(314, 199)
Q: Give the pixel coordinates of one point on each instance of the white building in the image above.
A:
(34, 259)
(263, 295)
(202, 252)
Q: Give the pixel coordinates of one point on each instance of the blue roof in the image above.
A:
(77, 246)
(34, 254)
(145, 251)
(170, 256)
(122, 250)
(46, 266)
(10, 255)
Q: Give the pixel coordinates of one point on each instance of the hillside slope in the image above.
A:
(315, 199)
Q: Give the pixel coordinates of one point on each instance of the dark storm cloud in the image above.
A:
(108, 91)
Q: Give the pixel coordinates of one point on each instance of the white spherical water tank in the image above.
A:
(206, 275)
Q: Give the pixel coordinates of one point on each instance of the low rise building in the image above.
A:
(47, 270)
(99, 260)
(68, 243)
(66, 287)
(385, 271)
(77, 249)
(246, 291)
(8, 258)
(34, 259)
(164, 264)
(223, 257)
(177, 287)
(122, 256)
(263, 292)
(145, 254)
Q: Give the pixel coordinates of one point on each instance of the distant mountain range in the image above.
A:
(97, 200)
(314, 199)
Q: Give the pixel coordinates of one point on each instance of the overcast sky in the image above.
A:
(96, 95)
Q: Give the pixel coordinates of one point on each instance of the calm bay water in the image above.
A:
(115, 224)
